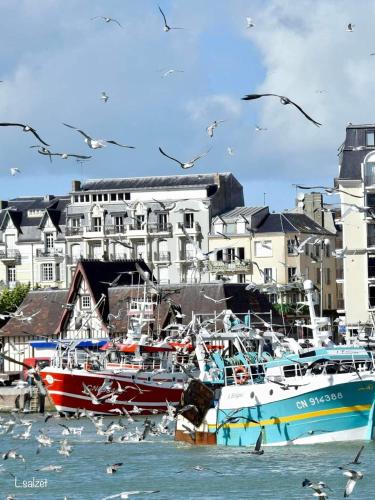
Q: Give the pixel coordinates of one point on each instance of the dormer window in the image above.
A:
(49, 241)
(370, 138)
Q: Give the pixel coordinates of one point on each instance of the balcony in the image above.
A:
(74, 231)
(49, 254)
(115, 229)
(234, 267)
(165, 229)
(162, 256)
(10, 256)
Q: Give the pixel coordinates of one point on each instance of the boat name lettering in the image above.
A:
(325, 398)
(235, 395)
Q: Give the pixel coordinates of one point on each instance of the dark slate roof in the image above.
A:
(190, 298)
(49, 304)
(98, 274)
(156, 182)
(290, 223)
(351, 159)
(235, 213)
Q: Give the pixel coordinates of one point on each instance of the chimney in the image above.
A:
(3, 204)
(48, 197)
(76, 185)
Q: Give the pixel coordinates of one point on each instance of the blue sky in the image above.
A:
(57, 61)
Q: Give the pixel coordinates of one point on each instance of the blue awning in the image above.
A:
(85, 343)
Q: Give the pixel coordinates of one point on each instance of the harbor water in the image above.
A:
(160, 463)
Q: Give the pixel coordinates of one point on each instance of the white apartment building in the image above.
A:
(42, 238)
(356, 181)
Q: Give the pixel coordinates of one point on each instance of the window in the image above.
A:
(119, 224)
(231, 254)
(370, 138)
(318, 276)
(291, 274)
(47, 272)
(87, 198)
(292, 247)
(328, 276)
(100, 197)
(231, 228)
(11, 274)
(242, 278)
(57, 271)
(120, 196)
(189, 220)
(94, 197)
(127, 196)
(85, 302)
(96, 224)
(327, 250)
(162, 222)
(49, 241)
(76, 199)
(113, 197)
(75, 222)
(263, 248)
(267, 274)
(139, 221)
(105, 197)
(241, 253)
(219, 255)
(329, 301)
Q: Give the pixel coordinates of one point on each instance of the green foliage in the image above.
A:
(10, 299)
(291, 309)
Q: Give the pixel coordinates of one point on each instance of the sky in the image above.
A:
(57, 60)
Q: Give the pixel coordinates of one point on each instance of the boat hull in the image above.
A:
(319, 413)
(143, 393)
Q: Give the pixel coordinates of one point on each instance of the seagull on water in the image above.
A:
(96, 143)
(127, 494)
(284, 100)
(107, 20)
(104, 97)
(25, 128)
(166, 26)
(187, 164)
(111, 469)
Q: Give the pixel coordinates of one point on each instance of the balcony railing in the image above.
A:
(49, 253)
(10, 255)
(236, 266)
(115, 229)
(162, 256)
(160, 228)
(73, 231)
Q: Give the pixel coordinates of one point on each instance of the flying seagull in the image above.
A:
(350, 27)
(355, 461)
(104, 97)
(230, 151)
(210, 129)
(96, 143)
(187, 164)
(353, 476)
(166, 26)
(107, 19)
(171, 71)
(258, 128)
(317, 487)
(284, 100)
(249, 23)
(330, 191)
(64, 156)
(217, 301)
(14, 171)
(25, 128)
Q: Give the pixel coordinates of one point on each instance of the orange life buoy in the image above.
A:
(241, 375)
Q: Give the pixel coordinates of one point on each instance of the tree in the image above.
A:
(10, 299)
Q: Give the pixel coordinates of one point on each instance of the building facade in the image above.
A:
(356, 182)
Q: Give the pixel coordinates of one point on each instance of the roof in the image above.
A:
(98, 276)
(290, 223)
(191, 300)
(354, 150)
(49, 304)
(235, 213)
(155, 182)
